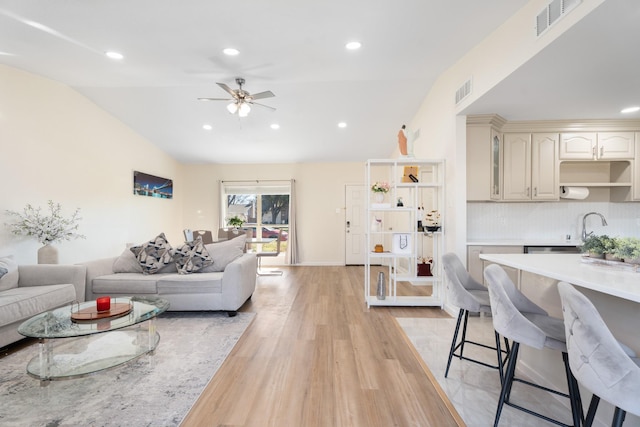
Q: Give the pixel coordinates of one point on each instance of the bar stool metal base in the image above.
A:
(572, 385)
(464, 314)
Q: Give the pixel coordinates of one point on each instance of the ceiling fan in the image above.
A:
(241, 99)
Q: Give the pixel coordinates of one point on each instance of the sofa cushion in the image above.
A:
(125, 284)
(8, 274)
(127, 262)
(154, 254)
(21, 303)
(224, 253)
(191, 256)
(203, 283)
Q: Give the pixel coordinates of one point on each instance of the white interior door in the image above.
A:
(355, 208)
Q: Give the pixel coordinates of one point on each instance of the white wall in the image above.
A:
(56, 144)
(320, 191)
(443, 133)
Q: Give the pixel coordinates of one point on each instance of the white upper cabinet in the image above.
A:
(530, 166)
(597, 146)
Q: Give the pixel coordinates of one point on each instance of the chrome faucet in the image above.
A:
(584, 224)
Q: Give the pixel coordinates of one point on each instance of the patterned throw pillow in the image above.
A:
(192, 256)
(8, 273)
(154, 254)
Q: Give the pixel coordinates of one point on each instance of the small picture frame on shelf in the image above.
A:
(410, 174)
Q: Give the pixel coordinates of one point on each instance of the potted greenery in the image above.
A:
(609, 245)
(379, 189)
(236, 221)
(628, 248)
(593, 246)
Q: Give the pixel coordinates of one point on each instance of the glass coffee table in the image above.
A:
(72, 346)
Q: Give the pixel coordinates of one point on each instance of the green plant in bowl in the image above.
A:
(628, 248)
(594, 246)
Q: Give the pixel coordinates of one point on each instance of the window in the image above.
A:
(264, 206)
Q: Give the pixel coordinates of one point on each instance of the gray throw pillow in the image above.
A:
(191, 257)
(8, 279)
(127, 262)
(154, 254)
(224, 253)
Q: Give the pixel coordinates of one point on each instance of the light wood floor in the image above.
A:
(316, 356)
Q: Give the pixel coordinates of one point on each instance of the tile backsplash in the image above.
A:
(507, 221)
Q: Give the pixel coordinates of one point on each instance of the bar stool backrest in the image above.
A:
(597, 359)
(508, 309)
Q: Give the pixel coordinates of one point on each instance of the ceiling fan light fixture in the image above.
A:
(244, 109)
(232, 107)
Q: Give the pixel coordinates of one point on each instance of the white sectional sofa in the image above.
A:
(28, 290)
(223, 286)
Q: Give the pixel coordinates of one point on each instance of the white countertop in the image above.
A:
(524, 242)
(569, 268)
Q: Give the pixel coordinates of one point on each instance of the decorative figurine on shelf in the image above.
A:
(399, 204)
(406, 139)
(432, 221)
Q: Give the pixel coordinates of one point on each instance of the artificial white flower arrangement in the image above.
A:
(46, 229)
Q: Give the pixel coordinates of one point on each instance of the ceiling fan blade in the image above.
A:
(215, 99)
(228, 89)
(262, 105)
(262, 95)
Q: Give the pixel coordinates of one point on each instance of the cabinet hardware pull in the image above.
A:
(601, 151)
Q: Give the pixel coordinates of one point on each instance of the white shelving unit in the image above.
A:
(396, 229)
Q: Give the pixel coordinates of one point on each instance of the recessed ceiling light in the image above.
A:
(114, 55)
(353, 45)
(231, 51)
(630, 110)
(342, 125)
(275, 126)
(207, 127)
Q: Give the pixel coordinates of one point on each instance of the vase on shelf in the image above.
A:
(378, 197)
(48, 254)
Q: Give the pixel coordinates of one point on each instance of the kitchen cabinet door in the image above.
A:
(615, 145)
(578, 146)
(516, 166)
(544, 166)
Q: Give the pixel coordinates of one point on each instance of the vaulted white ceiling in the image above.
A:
(173, 55)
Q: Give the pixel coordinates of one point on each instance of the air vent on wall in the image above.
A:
(463, 91)
(552, 13)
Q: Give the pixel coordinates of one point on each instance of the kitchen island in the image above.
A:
(614, 291)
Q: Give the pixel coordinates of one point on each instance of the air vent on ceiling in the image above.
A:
(552, 13)
(463, 91)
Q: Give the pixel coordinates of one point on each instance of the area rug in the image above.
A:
(474, 389)
(154, 390)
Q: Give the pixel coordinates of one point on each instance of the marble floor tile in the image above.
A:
(474, 389)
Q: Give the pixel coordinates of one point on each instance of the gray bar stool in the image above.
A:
(609, 369)
(470, 296)
(523, 322)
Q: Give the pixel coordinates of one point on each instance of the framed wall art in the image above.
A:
(152, 186)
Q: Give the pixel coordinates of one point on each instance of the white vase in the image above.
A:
(378, 197)
(47, 255)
